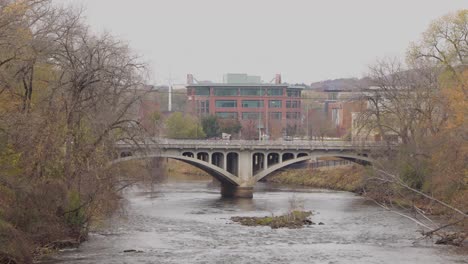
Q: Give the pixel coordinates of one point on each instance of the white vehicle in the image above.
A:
(226, 136)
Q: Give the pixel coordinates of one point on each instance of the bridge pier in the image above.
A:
(231, 191)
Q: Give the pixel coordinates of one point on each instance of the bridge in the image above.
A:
(239, 164)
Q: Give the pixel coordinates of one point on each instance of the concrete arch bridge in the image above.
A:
(239, 164)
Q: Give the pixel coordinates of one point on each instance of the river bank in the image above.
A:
(344, 178)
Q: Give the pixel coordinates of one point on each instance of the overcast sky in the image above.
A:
(306, 41)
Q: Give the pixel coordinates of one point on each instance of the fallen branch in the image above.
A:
(399, 182)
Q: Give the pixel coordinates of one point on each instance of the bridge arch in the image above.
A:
(262, 174)
(217, 159)
(287, 156)
(258, 161)
(232, 162)
(204, 156)
(188, 154)
(273, 158)
(213, 170)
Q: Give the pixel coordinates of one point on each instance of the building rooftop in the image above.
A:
(243, 85)
(241, 80)
(236, 78)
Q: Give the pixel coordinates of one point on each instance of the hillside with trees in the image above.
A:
(343, 84)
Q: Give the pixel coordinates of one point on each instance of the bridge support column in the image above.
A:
(231, 191)
(225, 160)
(245, 167)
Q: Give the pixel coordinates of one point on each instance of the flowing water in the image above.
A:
(189, 223)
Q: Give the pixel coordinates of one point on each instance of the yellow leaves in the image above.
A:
(444, 42)
(456, 98)
(16, 31)
(461, 18)
(17, 8)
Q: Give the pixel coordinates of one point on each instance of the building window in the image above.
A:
(203, 91)
(203, 107)
(226, 103)
(294, 92)
(225, 91)
(336, 117)
(276, 115)
(252, 103)
(251, 92)
(275, 91)
(275, 104)
(293, 104)
(227, 115)
(251, 116)
(293, 115)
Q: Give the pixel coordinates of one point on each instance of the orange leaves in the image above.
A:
(457, 100)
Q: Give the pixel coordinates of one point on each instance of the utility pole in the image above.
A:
(307, 121)
(260, 125)
(169, 103)
(169, 97)
(267, 119)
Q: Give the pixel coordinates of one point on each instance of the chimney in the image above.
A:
(278, 78)
(189, 78)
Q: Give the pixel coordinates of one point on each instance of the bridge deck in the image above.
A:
(252, 144)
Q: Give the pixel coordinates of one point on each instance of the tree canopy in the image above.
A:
(211, 126)
(180, 126)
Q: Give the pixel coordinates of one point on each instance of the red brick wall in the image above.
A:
(345, 109)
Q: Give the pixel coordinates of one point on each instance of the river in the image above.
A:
(189, 223)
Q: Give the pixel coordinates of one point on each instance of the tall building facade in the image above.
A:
(267, 108)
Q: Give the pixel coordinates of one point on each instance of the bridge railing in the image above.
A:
(163, 142)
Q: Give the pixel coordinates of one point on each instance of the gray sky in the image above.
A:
(305, 41)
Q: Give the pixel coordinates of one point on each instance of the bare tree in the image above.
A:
(403, 103)
(424, 106)
(66, 97)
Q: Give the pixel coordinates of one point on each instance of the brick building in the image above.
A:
(267, 108)
(340, 113)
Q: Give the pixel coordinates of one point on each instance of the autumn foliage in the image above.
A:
(424, 103)
(65, 99)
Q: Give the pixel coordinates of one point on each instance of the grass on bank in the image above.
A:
(347, 178)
